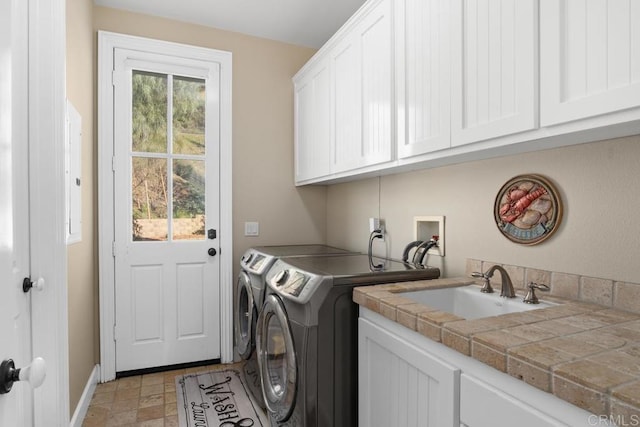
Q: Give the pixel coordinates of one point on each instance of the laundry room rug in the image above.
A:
(216, 399)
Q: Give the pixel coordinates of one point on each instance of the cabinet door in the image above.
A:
(590, 58)
(346, 117)
(402, 385)
(494, 69)
(312, 123)
(362, 92)
(476, 396)
(375, 38)
(423, 76)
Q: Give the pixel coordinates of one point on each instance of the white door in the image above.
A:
(16, 407)
(166, 205)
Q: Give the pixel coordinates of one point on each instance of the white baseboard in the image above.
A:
(85, 399)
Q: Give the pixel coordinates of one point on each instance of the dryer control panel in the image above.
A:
(292, 283)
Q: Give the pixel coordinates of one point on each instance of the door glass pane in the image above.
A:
(188, 115)
(188, 199)
(149, 198)
(276, 361)
(149, 112)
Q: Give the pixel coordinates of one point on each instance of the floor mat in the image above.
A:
(216, 398)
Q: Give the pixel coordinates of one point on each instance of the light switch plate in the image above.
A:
(252, 228)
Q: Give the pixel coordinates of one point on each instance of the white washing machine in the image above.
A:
(254, 265)
(307, 334)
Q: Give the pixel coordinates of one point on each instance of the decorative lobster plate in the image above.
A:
(527, 209)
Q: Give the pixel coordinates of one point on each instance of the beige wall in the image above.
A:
(263, 188)
(82, 261)
(598, 236)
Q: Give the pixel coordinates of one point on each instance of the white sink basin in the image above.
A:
(468, 302)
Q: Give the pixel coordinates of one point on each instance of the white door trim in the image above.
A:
(107, 42)
(46, 209)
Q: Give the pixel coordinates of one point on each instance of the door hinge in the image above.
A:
(113, 77)
(113, 163)
(113, 249)
(115, 333)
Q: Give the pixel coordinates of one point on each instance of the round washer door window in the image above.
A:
(244, 313)
(276, 359)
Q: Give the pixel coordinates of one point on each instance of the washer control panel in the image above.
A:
(256, 262)
(292, 283)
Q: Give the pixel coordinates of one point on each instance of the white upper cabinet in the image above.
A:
(312, 112)
(361, 96)
(423, 70)
(406, 84)
(376, 38)
(590, 58)
(346, 117)
(494, 87)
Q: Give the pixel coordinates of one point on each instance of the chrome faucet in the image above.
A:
(507, 287)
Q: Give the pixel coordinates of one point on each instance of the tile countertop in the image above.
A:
(586, 354)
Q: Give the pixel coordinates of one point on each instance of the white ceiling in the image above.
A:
(301, 22)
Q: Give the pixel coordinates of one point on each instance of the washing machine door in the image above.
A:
(245, 316)
(276, 359)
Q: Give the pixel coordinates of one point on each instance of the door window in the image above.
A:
(168, 146)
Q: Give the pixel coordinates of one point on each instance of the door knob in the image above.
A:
(27, 284)
(212, 251)
(34, 374)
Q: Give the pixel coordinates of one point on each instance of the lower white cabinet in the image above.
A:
(403, 385)
(476, 396)
(406, 379)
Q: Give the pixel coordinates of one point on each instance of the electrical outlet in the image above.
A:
(376, 224)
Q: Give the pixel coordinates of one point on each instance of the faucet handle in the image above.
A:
(531, 297)
(486, 287)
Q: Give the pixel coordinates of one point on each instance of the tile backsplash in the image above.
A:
(610, 293)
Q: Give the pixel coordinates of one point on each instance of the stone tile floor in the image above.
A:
(140, 401)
